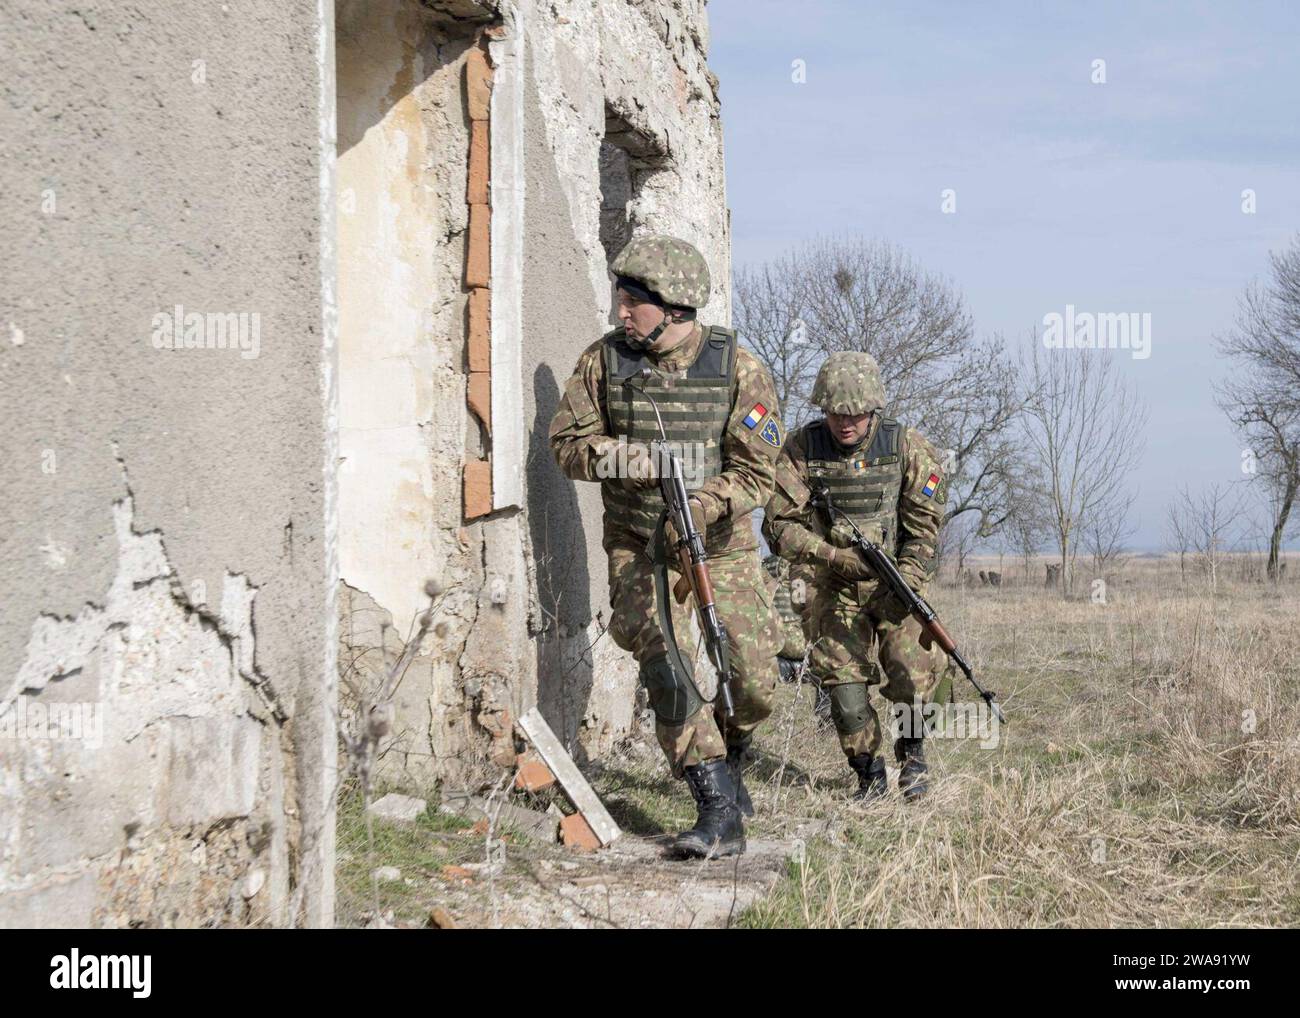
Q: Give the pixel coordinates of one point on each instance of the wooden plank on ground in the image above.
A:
(539, 826)
(575, 786)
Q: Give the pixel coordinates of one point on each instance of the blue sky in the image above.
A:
(1123, 196)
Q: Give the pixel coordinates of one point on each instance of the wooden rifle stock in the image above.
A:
(694, 578)
(940, 636)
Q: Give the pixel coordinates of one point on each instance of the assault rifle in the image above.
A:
(883, 566)
(692, 559)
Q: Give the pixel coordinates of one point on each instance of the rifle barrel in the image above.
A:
(885, 569)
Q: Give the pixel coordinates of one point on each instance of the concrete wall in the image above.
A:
(166, 558)
(204, 529)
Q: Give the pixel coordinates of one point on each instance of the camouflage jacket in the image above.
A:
(798, 532)
(580, 437)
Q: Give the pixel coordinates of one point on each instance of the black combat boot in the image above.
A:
(719, 830)
(910, 755)
(788, 667)
(872, 783)
(737, 759)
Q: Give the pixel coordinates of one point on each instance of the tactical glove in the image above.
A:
(849, 564)
(697, 517)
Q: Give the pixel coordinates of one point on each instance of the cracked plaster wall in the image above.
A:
(165, 522)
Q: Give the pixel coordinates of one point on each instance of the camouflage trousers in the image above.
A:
(855, 650)
(745, 609)
(793, 641)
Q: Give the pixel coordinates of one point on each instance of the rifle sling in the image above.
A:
(663, 605)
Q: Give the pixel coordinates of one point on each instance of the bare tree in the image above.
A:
(1178, 534)
(956, 541)
(1023, 536)
(971, 420)
(1082, 428)
(1025, 532)
(1213, 518)
(1263, 398)
(853, 294)
(769, 314)
(1105, 535)
(867, 295)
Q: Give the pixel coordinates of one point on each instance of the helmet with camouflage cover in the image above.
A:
(668, 267)
(849, 383)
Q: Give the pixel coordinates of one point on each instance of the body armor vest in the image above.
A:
(865, 483)
(694, 405)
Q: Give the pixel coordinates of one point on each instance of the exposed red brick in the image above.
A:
(533, 775)
(480, 329)
(479, 397)
(478, 262)
(476, 190)
(575, 832)
(478, 83)
(477, 478)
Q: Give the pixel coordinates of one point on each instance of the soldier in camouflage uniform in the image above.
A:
(888, 479)
(720, 412)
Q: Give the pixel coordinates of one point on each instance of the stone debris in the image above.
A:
(398, 808)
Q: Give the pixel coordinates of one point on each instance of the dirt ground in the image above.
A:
(471, 879)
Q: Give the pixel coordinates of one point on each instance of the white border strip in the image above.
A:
(506, 122)
(316, 874)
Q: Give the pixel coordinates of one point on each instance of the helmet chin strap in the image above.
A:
(656, 332)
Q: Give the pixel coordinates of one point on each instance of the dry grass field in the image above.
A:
(1149, 774)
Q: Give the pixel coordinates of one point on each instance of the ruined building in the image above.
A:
(290, 291)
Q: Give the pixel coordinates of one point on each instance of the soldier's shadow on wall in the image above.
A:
(564, 659)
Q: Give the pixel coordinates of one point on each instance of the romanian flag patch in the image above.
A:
(930, 485)
(755, 415)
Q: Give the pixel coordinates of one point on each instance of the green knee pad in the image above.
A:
(673, 697)
(849, 707)
(943, 691)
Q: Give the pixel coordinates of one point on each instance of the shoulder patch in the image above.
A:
(936, 487)
(771, 433)
(754, 416)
